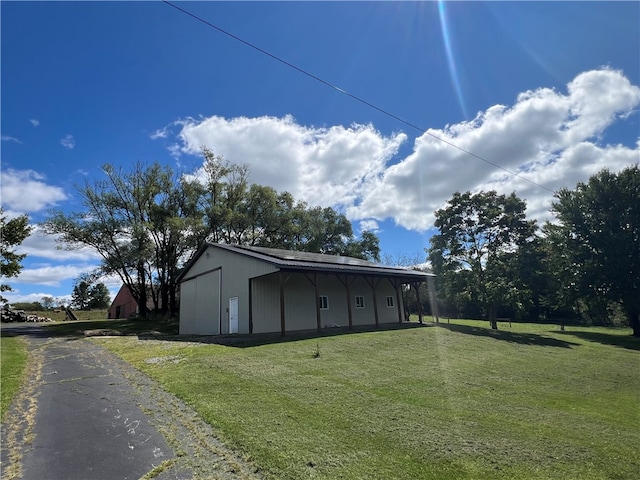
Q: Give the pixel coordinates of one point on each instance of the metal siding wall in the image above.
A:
(337, 314)
(266, 304)
(188, 307)
(366, 315)
(300, 303)
(208, 304)
(387, 314)
(236, 271)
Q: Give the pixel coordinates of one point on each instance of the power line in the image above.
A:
(355, 97)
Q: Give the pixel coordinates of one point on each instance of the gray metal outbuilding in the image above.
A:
(228, 289)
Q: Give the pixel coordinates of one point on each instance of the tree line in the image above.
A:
(146, 222)
(492, 262)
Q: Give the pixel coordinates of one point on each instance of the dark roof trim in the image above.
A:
(288, 260)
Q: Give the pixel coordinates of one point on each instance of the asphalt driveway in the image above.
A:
(84, 414)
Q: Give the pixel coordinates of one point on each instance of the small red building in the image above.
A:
(125, 306)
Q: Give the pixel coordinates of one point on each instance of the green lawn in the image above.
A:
(13, 351)
(445, 402)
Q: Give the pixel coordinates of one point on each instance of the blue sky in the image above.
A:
(548, 90)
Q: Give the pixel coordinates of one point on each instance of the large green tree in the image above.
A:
(12, 234)
(596, 241)
(80, 296)
(99, 296)
(88, 294)
(477, 247)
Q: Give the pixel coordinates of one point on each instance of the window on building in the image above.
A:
(324, 302)
(359, 301)
(389, 302)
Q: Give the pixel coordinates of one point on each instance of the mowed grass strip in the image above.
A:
(453, 401)
(13, 351)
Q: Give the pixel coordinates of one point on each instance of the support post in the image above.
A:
(250, 305)
(317, 291)
(373, 283)
(314, 282)
(417, 287)
(347, 287)
(282, 320)
(397, 284)
(400, 303)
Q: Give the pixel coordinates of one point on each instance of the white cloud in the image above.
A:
(34, 121)
(51, 275)
(25, 191)
(113, 284)
(160, 133)
(39, 245)
(369, 226)
(547, 137)
(68, 142)
(7, 138)
(323, 166)
(17, 297)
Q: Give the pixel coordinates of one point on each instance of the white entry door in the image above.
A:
(233, 315)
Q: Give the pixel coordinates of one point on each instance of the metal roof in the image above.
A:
(288, 260)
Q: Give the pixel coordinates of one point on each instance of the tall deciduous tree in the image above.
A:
(47, 302)
(113, 223)
(597, 240)
(480, 237)
(12, 234)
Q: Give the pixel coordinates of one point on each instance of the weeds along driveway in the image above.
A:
(85, 414)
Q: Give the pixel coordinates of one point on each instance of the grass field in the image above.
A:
(85, 315)
(453, 401)
(13, 351)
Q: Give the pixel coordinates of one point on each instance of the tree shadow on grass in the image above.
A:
(259, 339)
(622, 341)
(519, 338)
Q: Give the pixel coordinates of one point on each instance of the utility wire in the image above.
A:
(355, 97)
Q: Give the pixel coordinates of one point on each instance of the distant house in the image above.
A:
(125, 306)
(227, 289)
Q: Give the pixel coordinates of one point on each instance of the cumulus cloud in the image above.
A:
(26, 191)
(34, 121)
(323, 166)
(547, 137)
(68, 142)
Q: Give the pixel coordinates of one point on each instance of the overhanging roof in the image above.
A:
(292, 261)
